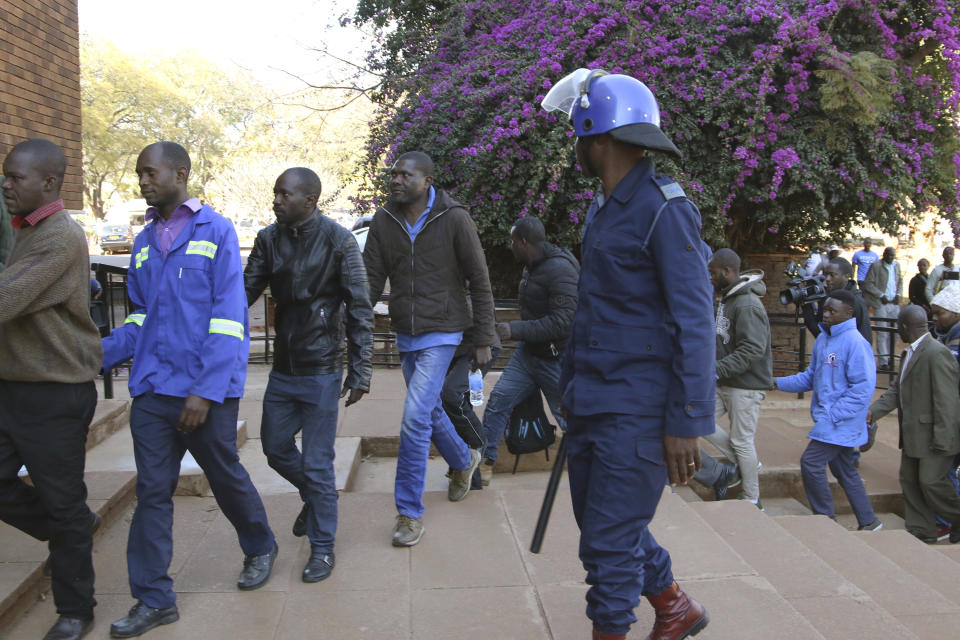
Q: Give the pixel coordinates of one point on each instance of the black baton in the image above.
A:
(549, 496)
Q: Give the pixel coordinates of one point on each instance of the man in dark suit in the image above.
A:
(928, 408)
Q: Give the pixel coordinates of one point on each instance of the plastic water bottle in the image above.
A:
(476, 388)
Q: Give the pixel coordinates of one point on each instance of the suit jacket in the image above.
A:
(875, 284)
(927, 401)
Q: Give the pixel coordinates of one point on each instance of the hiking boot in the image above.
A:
(729, 477)
(407, 531)
(486, 471)
(460, 478)
(678, 615)
(876, 525)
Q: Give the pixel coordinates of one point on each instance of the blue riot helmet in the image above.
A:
(598, 102)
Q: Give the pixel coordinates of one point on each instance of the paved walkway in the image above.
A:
(472, 576)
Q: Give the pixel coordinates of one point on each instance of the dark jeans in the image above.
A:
(456, 399)
(813, 469)
(158, 448)
(308, 404)
(43, 425)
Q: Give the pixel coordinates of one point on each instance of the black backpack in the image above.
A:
(529, 430)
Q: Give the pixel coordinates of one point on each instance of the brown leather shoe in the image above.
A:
(600, 635)
(678, 615)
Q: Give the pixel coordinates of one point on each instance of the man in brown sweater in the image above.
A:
(49, 356)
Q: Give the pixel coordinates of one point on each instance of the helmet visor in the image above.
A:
(565, 92)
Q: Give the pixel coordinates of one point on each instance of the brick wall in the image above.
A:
(40, 81)
(782, 338)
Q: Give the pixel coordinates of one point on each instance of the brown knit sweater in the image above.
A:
(46, 334)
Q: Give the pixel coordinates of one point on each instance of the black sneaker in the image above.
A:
(141, 619)
(876, 525)
(728, 478)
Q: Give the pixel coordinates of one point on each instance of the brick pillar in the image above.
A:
(40, 82)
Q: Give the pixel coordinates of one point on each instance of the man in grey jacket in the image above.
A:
(882, 290)
(744, 368)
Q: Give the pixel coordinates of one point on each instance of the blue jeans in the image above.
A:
(424, 420)
(813, 469)
(617, 475)
(522, 375)
(158, 448)
(292, 404)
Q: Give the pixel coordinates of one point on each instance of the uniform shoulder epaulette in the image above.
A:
(669, 188)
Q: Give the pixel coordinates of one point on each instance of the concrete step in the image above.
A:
(346, 464)
(707, 567)
(109, 493)
(116, 454)
(834, 606)
(916, 605)
(918, 559)
(111, 416)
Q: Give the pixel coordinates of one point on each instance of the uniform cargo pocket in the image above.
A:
(638, 341)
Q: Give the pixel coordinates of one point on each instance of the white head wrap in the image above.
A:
(948, 299)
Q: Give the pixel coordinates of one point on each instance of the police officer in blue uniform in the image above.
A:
(638, 373)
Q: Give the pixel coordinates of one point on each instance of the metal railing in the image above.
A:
(113, 283)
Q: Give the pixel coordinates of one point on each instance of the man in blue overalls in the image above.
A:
(638, 374)
(189, 340)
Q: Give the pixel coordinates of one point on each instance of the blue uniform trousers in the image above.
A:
(158, 448)
(617, 475)
(292, 404)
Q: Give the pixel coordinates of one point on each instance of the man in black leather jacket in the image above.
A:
(316, 276)
(548, 299)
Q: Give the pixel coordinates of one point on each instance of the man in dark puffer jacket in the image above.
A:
(548, 299)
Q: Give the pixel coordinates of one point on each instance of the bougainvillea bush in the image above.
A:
(798, 118)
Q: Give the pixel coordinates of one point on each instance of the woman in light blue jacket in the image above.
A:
(842, 376)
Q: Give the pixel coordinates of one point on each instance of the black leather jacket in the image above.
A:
(316, 276)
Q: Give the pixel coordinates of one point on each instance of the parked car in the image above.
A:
(362, 223)
(361, 236)
(116, 238)
(247, 230)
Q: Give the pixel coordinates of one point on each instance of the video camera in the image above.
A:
(801, 290)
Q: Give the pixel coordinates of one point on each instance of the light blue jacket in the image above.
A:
(842, 375)
(188, 332)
